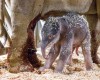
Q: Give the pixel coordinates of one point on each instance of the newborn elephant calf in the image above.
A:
(65, 34)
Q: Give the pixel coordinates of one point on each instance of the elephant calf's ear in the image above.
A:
(60, 23)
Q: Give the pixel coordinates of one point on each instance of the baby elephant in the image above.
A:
(65, 34)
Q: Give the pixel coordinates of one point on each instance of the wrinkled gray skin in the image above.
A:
(64, 34)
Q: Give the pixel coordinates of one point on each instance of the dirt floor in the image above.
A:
(75, 72)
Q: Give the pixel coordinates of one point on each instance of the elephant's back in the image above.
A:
(80, 6)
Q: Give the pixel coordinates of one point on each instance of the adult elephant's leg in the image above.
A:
(92, 19)
(23, 54)
(15, 61)
(21, 15)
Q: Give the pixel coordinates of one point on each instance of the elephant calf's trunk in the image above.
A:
(43, 52)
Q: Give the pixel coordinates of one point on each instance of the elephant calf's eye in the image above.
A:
(50, 36)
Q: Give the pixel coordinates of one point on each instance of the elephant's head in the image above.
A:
(50, 34)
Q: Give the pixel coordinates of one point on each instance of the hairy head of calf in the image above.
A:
(50, 34)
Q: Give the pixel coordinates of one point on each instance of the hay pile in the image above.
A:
(75, 72)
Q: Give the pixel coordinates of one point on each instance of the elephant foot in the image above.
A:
(21, 68)
(89, 67)
(69, 62)
(58, 71)
(42, 68)
(96, 59)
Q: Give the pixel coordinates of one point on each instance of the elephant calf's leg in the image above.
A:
(69, 61)
(87, 57)
(86, 52)
(62, 60)
(65, 52)
(54, 52)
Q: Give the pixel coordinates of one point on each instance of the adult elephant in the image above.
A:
(26, 12)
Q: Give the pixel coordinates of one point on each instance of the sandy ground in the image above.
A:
(75, 72)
